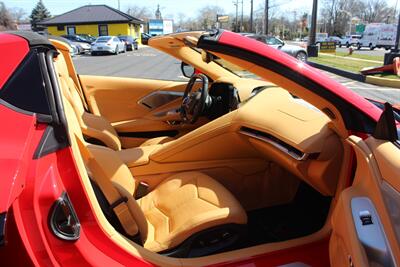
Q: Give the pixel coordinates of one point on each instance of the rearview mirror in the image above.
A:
(187, 70)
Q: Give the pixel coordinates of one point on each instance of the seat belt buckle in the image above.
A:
(117, 203)
(141, 190)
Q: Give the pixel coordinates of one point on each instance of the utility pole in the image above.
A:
(266, 8)
(251, 16)
(236, 18)
(312, 48)
(395, 51)
(241, 20)
(119, 5)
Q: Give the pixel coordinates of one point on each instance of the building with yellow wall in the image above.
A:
(95, 20)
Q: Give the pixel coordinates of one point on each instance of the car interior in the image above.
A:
(203, 168)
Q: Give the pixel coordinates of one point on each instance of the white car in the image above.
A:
(349, 40)
(108, 44)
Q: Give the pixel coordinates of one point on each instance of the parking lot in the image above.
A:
(151, 64)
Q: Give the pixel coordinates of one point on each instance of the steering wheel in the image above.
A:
(193, 104)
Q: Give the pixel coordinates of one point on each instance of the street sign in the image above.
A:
(360, 28)
(327, 47)
(222, 18)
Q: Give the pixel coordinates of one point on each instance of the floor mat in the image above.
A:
(305, 215)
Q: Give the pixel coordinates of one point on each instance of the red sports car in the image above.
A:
(257, 160)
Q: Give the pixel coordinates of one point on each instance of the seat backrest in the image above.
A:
(93, 126)
(107, 163)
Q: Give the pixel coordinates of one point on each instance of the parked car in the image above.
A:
(87, 37)
(335, 39)
(82, 47)
(378, 35)
(350, 40)
(145, 38)
(294, 50)
(108, 44)
(288, 168)
(76, 38)
(320, 37)
(129, 41)
(74, 48)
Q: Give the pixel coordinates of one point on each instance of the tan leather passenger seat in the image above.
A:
(93, 126)
(182, 205)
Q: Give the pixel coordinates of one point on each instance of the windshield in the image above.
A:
(103, 39)
(122, 38)
(242, 73)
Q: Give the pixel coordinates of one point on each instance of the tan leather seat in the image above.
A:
(93, 126)
(182, 205)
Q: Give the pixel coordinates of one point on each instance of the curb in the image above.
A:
(383, 81)
(358, 77)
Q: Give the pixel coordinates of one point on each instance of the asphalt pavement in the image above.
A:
(149, 63)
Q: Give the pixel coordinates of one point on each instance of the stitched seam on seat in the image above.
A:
(163, 213)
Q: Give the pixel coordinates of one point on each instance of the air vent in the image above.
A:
(279, 144)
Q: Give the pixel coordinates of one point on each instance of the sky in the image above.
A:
(168, 7)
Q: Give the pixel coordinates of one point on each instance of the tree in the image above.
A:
(39, 13)
(17, 13)
(6, 21)
(140, 12)
(378, 11)
(207, 16)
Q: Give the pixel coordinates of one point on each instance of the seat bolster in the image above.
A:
(97, 127)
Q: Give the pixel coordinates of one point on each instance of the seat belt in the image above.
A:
(80, 93)
(117, 202)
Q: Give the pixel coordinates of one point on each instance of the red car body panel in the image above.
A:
(31, 185)
(16, 153)
(12, 52)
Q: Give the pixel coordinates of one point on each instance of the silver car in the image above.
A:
(108, 44)
(294, 50)
(82, 47)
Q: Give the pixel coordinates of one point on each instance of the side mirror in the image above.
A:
(187, 70)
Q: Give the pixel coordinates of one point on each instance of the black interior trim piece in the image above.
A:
(386, 126)
(25, 88)
(3, 220)
(63, 220)
(304, 215)
(209, 241)
(48, 86)
(153, 134)
(353, 118)
(61, 125)
(291, 151)
(17, 109)
(55, 136)
(110, 214)
(48, 143)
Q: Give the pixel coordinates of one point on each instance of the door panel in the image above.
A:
(117, 98)
(137, 105)
(367, 214)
